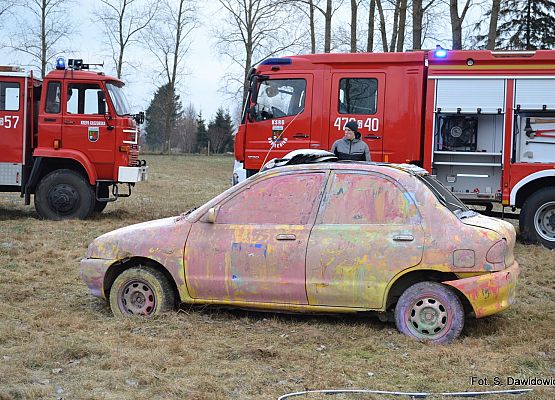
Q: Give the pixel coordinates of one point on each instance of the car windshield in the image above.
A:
(446, 198)
(118, 98)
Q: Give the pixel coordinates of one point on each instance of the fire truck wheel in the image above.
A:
(64, 194)
(142, 291)
(537, 218)
(430, 311)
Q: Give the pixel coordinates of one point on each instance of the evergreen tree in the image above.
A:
(161, 117)
(202, 138)
(220, 132)
(526, 25)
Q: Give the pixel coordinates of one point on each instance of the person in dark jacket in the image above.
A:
(350, 147)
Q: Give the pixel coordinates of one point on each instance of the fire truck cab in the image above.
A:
(67, 139)
(483, 122)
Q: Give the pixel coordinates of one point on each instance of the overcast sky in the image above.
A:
(204, 66)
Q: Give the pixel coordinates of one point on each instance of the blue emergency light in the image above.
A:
(440, 52)
(60, 63)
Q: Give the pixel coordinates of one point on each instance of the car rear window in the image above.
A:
(444, 196)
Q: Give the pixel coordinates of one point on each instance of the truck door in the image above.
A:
(282, 119)
(85, 124)
(11, 119)
(359, 96)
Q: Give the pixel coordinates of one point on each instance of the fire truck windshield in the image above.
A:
(118, 98)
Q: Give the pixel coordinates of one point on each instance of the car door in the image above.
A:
(367, 230)
(359, 96)
(255, 250)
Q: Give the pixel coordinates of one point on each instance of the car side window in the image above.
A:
(364, 199)
(285, 199)
(358, 96)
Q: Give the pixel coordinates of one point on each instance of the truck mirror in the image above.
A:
(101, 102)
(254, 89)
(139, 118)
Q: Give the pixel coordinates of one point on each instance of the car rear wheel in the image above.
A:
(142, 291)
(430, 311)
(537, 218)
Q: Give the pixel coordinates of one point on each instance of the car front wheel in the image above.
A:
(142, 291)
(430, 311)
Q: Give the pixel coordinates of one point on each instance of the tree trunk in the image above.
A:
(528, 22)
(354, 10)
(402, 25)
(492, 34)
(382, 25)
(395, 29)
(43, 38)
(417, 16)
(457, 21)
(312, 28)
(371, 17)
(327, 27)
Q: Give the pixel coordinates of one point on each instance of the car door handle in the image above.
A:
(69, 122)
(403, 238)
(300, 136)
(372, 137)
(50, 120)
(283, 236)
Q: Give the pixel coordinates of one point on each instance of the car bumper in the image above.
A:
(93, 271)
(489, 293)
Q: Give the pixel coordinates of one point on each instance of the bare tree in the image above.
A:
(42, 32)
(169, 41)
(383, 30)
(253, 31)
(419, 10)
(400, 34)
(5, 6)
(186, 130)
(457, 21)
(371, 19)
(354, 11)
(123, 20)
(494, 17)
(175, 22)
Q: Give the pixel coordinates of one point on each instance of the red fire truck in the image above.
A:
(483, 122)
(67, 139)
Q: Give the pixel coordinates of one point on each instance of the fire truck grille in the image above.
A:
(134, 156)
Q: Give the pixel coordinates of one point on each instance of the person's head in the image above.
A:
(351, 130)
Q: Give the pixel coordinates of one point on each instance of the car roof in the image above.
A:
(356, 165)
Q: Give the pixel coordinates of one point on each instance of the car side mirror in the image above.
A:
(212, 214)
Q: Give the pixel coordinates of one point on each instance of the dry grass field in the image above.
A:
(57, 341)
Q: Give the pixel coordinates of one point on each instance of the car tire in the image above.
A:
(431, 312)
(537, 218)
(64, 194)
(142, 291)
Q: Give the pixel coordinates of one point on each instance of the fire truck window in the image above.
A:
(83, 98)
(53, 98)
(9, 96)
(278, 98)
(358, 96)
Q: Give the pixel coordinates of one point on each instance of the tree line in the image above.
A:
(250, 31)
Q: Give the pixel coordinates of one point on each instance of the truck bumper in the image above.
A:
(489, 293)
(93, 271)
(133, 174)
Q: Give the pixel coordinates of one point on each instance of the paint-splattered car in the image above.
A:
(331, 237)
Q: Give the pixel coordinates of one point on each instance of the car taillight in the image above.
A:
(496, 253)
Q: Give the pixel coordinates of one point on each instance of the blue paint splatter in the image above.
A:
(234, 277)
